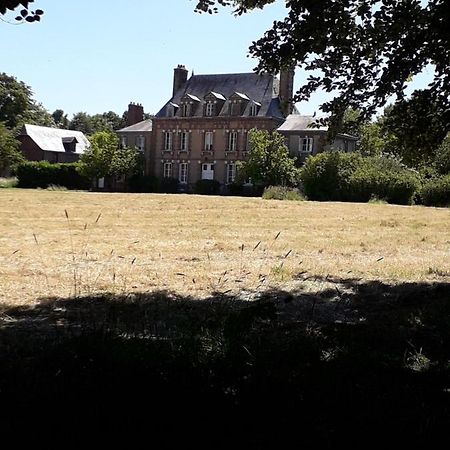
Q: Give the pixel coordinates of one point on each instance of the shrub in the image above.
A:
(282, 193)
(325, 176)
(436, 192)
(245, 190)
(42, 174)
(442, 160)
(143, 183)
(168, 185)
(207, 187)
(7, 183)
(351, 177)
(384, 178)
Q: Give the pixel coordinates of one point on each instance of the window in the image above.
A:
(208, 141)
(209, 109)
(232, 141)
(185, 109)
(230, 173)
(183, 173)
(306, 145)
(167, 140)
(235, 108)
(140, 142)
(253, 110)
(184, 140)
(248, 144)
(123, 141)
(167, 170)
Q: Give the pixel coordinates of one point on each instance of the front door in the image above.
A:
(207, 171)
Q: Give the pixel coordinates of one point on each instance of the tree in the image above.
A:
(60, 119)
(82, 122)
(418, 126)
(442, 161)
(17, 105)
(15, 100)
(26, 15)
(108, 121)
(364, 51)
(10, 155)
(104, 157)
(113, 120)
(268, 162)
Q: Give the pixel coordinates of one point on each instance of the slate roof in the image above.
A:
(52, 139)
(299, 123)
(145, 125)
(262, 89)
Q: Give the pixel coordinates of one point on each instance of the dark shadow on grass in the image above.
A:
(353, 363)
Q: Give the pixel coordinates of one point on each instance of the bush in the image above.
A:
(351, 177)
(42, 174)
(207, 187)
(245, 190)
(143, 183)
(442, 160)
(436, 192)
(168, 185)
(325, 176)
(7, 183)
(384, 178)
(282, 193)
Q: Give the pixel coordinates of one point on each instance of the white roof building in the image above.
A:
(53, 139)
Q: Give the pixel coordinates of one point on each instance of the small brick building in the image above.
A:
(51, 144)
(303, 139)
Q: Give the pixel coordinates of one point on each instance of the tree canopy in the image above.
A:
(25, 14)
(105, 158)
(108, 121)
(364, 51)
(268, 162)
(9, 149)
(17, 105)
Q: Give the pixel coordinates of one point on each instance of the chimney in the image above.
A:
(180, 75)
(287, 89)
(135, 113)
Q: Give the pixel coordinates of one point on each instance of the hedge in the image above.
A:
(385, 179)
(207, 187)
(352, 177)
(143, 183)
(326, 175)
(436, 192)
(42, 174)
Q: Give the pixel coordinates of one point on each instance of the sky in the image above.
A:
(97, 56)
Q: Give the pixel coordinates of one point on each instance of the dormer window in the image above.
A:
(69, 144)
(213, 103)
(238, 103)
(172, 109)
(254, 109)
(189, 105)
(209, 109)
(185, 110)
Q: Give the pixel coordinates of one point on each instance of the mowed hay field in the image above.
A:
(65, 244)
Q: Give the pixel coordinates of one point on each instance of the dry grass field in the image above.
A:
(56, 243)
